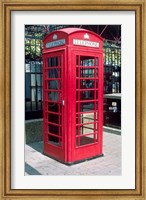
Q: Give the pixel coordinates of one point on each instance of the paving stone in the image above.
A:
(110, 164)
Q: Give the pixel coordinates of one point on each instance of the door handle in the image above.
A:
(62, 102)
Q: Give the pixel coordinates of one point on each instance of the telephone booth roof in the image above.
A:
(76, 37)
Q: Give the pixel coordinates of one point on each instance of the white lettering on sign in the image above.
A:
(85, 43)
(55, 43)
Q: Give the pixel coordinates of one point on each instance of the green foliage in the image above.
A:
(33, 48)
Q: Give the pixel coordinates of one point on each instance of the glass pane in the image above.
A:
(54, 118)
(52, 62)
(27, 87)
(85, 84)
(86, 140)
(54, 85)
(32, 41)
(28, 106)
(33, 106)
(87, 73)
(85, 129)
(27, 67)
(32, 66)
(84, 118)
(27, 41)
(38, 42)
(53, 73)
(88, 128)
(39, 105)
(33, 81)
(27, 50)
(38, 51)
(87, 61)
(53, 129)
(53, 140)
(38, 67)
(33, 94)
(38, 79)
(32, 48)
(87, 107)
(53, 107)
(87, 95)
(53, 96)
(39, 94)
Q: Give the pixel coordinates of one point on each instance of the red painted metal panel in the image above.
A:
(76, 124)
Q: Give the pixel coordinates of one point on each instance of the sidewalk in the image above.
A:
(110, 164)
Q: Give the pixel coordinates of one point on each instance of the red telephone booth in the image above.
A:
(73, 95)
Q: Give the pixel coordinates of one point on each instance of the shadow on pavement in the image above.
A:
(38, 146)
(30, 170)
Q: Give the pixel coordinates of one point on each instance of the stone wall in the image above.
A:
(33, 130)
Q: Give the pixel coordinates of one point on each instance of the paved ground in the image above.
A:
(38, 164)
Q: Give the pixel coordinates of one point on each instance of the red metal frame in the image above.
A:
(78, 108)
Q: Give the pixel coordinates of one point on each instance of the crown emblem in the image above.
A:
(54, 37)
(86, 36)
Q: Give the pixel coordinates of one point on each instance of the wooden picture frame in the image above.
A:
(5, 99)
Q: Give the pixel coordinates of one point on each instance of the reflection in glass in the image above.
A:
(87, 73)
(53, 96)
(87, 61)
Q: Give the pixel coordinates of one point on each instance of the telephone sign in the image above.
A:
(85, 43)
(55, 43)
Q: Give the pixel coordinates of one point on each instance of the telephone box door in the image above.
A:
(53, 105)
(89, 105)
